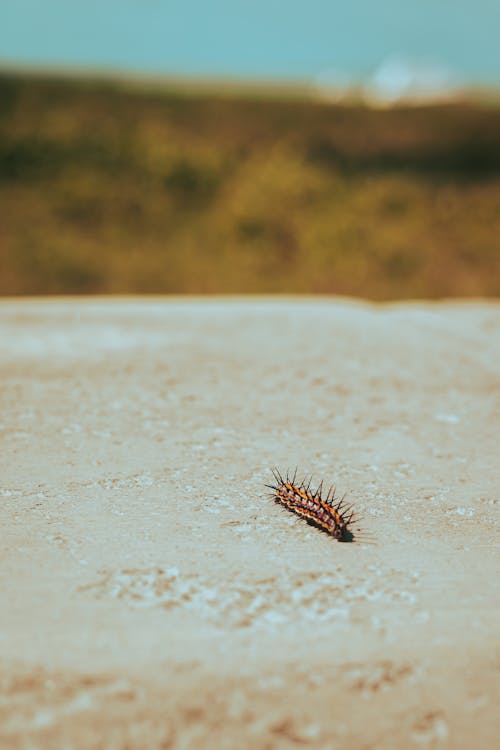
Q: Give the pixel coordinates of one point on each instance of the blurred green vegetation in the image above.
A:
(105, 189)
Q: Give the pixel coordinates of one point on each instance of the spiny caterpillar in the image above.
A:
(329, 514)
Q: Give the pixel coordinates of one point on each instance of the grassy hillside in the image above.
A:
(104, 189)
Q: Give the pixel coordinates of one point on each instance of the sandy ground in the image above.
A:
(152, 596)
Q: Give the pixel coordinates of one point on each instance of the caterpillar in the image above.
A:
(329, 514)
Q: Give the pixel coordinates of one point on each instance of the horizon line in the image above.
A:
(304, 87)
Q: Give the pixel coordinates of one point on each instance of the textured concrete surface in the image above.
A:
(152, 595)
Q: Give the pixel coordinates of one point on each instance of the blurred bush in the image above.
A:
(108, 190)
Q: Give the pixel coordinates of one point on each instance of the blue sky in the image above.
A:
(255, 38)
